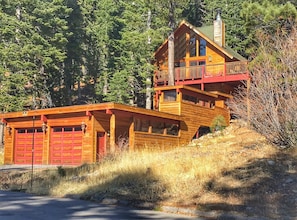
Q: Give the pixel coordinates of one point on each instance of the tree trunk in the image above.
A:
(171, 59)
(171, 43)
(148, 101)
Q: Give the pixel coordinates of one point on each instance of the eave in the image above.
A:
(108, 108)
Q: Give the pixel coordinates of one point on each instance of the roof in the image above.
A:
(108, 107)
(206, 32)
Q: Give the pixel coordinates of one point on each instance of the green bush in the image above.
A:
(218, 124)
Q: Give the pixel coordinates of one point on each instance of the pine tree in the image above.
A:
(230, 13)
(195, 12)
(33, 39)
(102, 31)
(267, 17)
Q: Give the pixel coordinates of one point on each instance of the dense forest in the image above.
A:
(65, 52)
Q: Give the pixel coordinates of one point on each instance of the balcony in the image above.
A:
(232, 71)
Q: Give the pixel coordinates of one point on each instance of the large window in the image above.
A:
(156, 126)
(202, 47)
(193, 52)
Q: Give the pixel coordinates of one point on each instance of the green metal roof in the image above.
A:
(208, 31)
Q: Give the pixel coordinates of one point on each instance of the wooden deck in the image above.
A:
(226, 72)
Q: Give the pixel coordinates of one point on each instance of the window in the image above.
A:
(141, 125)
(189, 98)
(172, 129)
(169, 95)
(202, 47)
(192, 47)
(157, 127)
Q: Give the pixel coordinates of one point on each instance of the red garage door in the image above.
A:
(66, 146)
(24, 144)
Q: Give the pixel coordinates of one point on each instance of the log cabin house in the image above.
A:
(201, 59)
(206, 72)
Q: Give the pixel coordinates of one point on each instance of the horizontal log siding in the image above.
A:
(170, 107)
(154, 141)
(88, 141)
(8, 149)
(195, 116)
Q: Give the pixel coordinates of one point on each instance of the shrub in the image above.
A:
(218, 123)
(270, 102)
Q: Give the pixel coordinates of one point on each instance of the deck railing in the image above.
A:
(206, 71)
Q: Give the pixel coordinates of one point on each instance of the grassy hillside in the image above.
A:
(232, 170)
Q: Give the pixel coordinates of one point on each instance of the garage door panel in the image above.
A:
(66, 145)
(24, 144)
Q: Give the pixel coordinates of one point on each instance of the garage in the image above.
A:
(66, 145)
(24, 144)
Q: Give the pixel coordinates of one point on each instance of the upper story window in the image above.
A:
(193, 52)
(202, 47)
(170, 95)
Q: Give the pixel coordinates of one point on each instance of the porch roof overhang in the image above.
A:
(88, 110)
(188, 88)
(203, 95)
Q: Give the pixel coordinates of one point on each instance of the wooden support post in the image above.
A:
(131, 134)
(179, 95)
(112, 128)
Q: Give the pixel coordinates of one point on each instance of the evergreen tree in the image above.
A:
(267, 17)
(134, 51)
(32, 50)
(195, 12)
(102, 32)
(230, 13)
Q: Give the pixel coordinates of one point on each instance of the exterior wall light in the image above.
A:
(83, 127)
(8, 129)
(44, 127)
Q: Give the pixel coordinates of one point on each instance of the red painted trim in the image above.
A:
(88, 113)
(215, 79)
(108, 111)
(43, 118)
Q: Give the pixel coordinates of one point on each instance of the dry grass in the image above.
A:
(217, 168)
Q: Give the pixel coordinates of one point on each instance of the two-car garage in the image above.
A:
(65, 146)
(74, 135)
